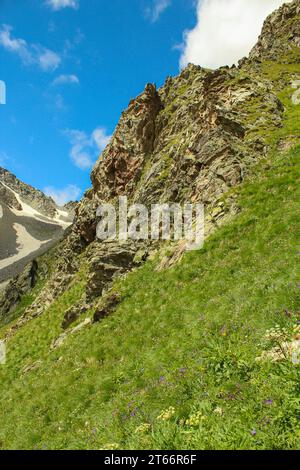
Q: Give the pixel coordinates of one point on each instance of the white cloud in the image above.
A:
(65, 80)
(60, 4)
(62, 196)
(100, 138)
(226, 31)
(85, 148)
(48, 60)
(17, 46)
(157, 9)
(30, 54)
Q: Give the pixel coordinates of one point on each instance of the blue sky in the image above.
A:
(72, 66)
(71, 71)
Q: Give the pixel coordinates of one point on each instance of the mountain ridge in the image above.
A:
(143, 346)
(30, 224)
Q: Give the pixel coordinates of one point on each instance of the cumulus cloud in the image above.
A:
(85, 148)
(226, 31)
(157, 9)
(60, 4)
(65, 80)
(48, 60)
(100, 138)
(62, 196)
(30, 54)
(17, 46)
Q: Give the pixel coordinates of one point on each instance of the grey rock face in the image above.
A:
(17, 288)
(281, 32)
(31, 196)
(8, 198)
(108, 261)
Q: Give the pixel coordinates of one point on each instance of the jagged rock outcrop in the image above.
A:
(17, 288)
(119, 169)
(72, 314)
(200, 143)
(107, 262)
(281, 33)
(107, 307)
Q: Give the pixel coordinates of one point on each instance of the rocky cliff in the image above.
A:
(195, 139)
(141, 345)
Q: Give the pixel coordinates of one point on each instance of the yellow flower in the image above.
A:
(195, 420)
(166, 415)
(111, 446)
(143, 428)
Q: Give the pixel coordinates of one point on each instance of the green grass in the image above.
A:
(186, 338)
(189, 341)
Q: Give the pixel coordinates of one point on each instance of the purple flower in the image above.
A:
(162, 378)
(268, 402)
(267, 420)
(253, 432)
(183, 370)
(134, 412)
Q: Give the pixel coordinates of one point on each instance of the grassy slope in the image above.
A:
(185, 338)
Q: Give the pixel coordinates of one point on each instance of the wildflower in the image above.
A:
(268, 402)
(134, 412)
(162, 378)
(266, 421)
(253, 432)
(110, 446)
(166, 415)
(183, 370)
(219, 411)
(296, 329)
(195, 420)
(285, 346)
(276, 334)
(295, 356)
(143, 428)
(223, 331)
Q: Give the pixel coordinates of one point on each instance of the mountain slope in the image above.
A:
(189, 341)
(204, 355)
(29, 224)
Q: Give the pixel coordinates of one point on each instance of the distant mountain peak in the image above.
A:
(30, 222)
